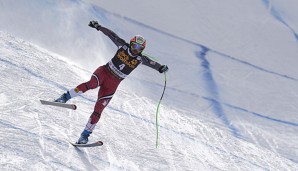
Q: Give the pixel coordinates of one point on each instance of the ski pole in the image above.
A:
(157, 110)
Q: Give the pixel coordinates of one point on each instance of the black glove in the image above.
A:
(94, 24)
(163, 69)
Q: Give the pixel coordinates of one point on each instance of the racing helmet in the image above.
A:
(137, 44)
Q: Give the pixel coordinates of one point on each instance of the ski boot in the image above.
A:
(63, 98)
(84, 137)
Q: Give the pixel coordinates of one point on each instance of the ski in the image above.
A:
(64, 105)
(95, 144)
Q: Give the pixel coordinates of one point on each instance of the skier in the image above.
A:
(109, 76)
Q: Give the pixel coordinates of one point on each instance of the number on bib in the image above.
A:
(121, 66)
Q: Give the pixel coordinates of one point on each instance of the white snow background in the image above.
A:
(231, 96)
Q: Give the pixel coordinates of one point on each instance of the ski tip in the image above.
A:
(99, 142)
(74, 107)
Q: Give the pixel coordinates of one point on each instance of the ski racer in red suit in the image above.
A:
(109, 76)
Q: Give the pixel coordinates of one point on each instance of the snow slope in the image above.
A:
(230, 103)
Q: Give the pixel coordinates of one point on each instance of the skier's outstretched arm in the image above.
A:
(113, 36)
(153, 64)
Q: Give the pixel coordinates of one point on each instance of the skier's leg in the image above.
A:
(101, 103)
(105, 94)
(93, 83)
(82, 88)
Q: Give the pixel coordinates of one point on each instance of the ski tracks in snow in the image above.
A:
(184, 140)
(22, 113)
(186, 143)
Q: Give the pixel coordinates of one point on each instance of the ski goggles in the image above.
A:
(137, 47)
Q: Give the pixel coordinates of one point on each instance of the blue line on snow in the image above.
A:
(212, 88)
(262, 116)
(267, 3)
(279, 18)
(209, 99)
(296, 35)
(257, 67)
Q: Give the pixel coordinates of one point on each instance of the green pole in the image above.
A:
(157, 110)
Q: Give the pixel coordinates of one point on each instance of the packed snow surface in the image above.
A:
(230, 101)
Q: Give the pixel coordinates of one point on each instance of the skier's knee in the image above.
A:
(97, 79)
(92, 83)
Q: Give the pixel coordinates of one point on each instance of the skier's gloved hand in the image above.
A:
(163, 69)
(94, 24)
